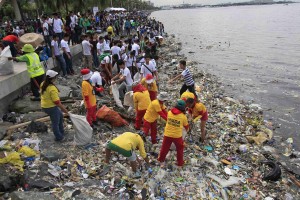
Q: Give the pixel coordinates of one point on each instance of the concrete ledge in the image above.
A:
(11, 86)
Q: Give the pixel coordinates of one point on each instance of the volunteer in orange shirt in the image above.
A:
(198, 111)
(89, 97)
(150, 84)
(10, 40)
(173, 132)
(141, 99)
(154, 110)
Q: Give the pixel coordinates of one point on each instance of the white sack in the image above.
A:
(6, 66)
(83, 130)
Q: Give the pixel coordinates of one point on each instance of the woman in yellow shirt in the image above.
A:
(50, 104)
(150, 84)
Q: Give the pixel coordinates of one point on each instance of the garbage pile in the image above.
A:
(237, 161)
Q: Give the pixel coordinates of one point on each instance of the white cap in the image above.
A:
(51, 73)
(87, 76)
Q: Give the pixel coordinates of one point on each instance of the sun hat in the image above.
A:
(180, 105)
(86, 74)
(163, 96)
(149, 78)
(51, 73)
(28, 48)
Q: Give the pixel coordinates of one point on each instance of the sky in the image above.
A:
(204, 2)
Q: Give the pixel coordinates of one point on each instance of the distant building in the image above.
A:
(150, 3)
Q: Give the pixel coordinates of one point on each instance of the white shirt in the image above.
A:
(100, 47)
(46, 26)
(73, 20)
(126, 73)
(145, 71)
(136, 47)
(96, 79)
(64, 44)
(129, 61)
(86, 47)
(115, 50)
(57, 24)
(154, 62)
(54, 44)
(139, 64)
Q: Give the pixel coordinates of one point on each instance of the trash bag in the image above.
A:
(111, 117)
(116, 95)
(13, 158)
(6, 66)
(83, 130)
(136, 77)
(36, 127)
(128, 99)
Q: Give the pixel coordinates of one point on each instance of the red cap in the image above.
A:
(149, 77)
(85, 71)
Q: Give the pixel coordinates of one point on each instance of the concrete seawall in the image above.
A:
(14, 85)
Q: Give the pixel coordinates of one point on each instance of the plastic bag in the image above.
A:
(13, 158)
(128, 99)
(111, 117)
(137, 77)
(115, 92)
(173, 147)
(223, 182)
(6, 66)
(83, 130)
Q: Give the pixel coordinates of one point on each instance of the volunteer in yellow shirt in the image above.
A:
(50, 104)
(154, 110)
(186, 95)
(173, 132)
(150, 84)
(88, 94)
(126, 144)
(198, 111)
(110, 30)
(141, 99)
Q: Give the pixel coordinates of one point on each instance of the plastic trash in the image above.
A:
(111, 117)
(275, 173)
(223, 182)
(14, 159)
(27, 151)
(83, 130)
(6, 66)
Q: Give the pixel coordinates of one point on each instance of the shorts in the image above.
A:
(130, 155)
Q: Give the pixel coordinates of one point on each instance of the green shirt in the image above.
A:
(23, 58)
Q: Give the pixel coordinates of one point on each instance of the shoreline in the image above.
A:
(228, 124)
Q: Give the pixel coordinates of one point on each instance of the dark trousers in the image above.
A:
(35, 85)
(62, 64)
(69, 65)
(95, 59)
(12, 47)
(184, 88)
(57, 120)
(47, 39)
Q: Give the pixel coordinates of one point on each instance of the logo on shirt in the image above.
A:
(174, 122)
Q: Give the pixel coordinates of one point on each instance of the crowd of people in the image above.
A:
(126, 55)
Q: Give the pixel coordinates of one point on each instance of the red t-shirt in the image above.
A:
(11, 38)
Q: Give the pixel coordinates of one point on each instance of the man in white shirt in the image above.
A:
(124, 79)
(148, 68)
(87, 54)
(57, 26)
(100, 45)
(130, 63)
(136, 47)
(116, 50)
(67, 54)
(46, 31)
(56, 55)
(97, 82)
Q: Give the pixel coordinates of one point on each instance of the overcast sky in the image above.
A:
(204, 2)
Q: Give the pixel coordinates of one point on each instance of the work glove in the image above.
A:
(100, 89)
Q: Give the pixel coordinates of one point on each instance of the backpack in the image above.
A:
(102, 56)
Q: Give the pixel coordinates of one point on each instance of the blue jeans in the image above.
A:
(95, 59)
(57, 121)
(69, 64)
(62, 64)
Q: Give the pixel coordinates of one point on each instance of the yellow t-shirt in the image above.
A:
(130, 141)
(49, 96)
(175, 123)
(152, 111)
(152, 88)
(187, 95)
(141, 100)
(87, 90)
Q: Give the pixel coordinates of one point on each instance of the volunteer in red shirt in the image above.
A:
(11, 40)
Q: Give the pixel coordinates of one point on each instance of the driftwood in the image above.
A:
(10, 129)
